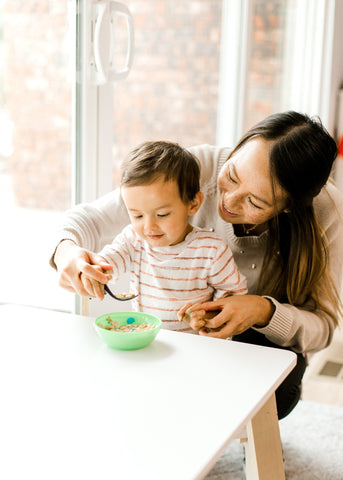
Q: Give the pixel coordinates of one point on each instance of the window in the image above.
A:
(203, 71)
(35, 148)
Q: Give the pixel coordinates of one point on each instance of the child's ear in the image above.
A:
(195, 204)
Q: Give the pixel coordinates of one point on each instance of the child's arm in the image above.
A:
(194, 315)
(117, 255)
(224, 275)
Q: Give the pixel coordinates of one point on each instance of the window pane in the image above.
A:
(288, 58)
(265, 68)
(172, 90)
(35, 147)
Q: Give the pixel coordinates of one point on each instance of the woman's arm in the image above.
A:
(87, 227)
(92, 225)
(299, 328)
(282, 324)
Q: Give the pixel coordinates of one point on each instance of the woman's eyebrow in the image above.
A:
(252, 194)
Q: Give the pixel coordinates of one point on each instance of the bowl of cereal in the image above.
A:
(127, 330)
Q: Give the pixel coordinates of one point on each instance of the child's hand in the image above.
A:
(93, 287)
(193, 314)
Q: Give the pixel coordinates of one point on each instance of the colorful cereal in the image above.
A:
(125, 296)
(129, 327)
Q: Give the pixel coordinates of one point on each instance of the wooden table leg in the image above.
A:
(263, 449)
(85, 306)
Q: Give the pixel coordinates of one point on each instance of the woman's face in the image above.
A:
(245, 187)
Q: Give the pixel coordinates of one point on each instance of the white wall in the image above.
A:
(333, 81)
(336, 68)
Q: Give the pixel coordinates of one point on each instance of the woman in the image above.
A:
(269, 200)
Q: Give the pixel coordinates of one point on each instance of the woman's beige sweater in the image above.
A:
(95, 224)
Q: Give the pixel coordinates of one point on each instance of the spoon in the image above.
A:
(122, 297)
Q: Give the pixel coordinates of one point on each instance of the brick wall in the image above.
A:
(266, 60)
(38, 99)
(172, 90)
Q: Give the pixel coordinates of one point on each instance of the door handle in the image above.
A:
(103, 38)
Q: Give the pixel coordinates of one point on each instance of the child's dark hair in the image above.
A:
(151, 160)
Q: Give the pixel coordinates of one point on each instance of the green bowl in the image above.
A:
(132, 340)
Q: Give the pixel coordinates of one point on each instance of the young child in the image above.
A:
(171, 263)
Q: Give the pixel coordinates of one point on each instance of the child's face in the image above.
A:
(157, 212)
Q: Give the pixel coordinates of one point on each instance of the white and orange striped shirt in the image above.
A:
(199, 269)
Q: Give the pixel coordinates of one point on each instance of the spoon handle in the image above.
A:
(107, 290)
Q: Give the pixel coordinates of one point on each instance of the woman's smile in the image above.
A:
(226, 211)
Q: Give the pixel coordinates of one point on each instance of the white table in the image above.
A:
(71, 408)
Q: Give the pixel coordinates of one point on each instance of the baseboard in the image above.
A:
(327, 364)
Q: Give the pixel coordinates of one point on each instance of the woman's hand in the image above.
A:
(237, 313)
(71, 261)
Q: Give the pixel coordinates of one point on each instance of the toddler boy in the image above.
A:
(171, 263)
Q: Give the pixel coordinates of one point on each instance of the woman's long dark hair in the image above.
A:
(301, 156)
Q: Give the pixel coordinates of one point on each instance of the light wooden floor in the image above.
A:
(323, 380)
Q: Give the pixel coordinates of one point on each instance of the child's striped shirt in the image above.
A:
(199, 269)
